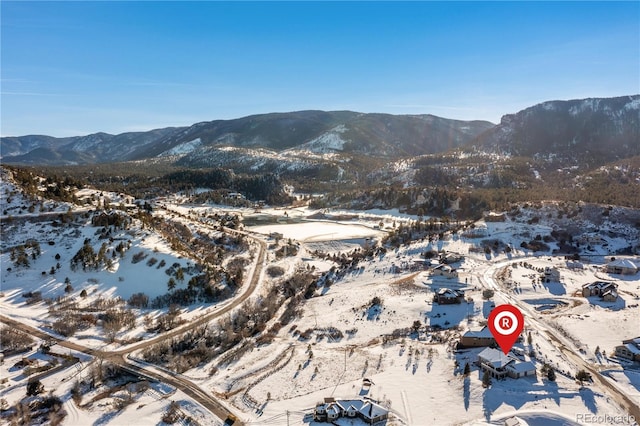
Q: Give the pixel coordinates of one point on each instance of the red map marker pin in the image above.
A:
(505, 323)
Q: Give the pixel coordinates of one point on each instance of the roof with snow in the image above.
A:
(632, 348)
(449, 293)
(483, 333)
(623, 263)
(521, 367)
(496, 358)
(372, 410)
(443, 266)
(602, 285)
(366, 408)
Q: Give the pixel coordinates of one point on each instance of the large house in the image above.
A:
(477, 338)
(630, 349)
(607, 291)
(332, 409)
(621, 267)
(447, 296)
(500, 365)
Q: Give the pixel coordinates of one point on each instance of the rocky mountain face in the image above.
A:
(347, 146)
(592, 131)
(315, 132)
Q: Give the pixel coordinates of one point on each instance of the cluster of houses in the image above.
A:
(607, 291)
(332, 409)
(629, 349)
(493, 360)
(442, 267)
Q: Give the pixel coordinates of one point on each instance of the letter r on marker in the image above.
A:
(506, 323)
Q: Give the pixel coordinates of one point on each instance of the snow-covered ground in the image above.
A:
(415, 376)
(320, 231)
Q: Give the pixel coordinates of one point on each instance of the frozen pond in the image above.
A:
(314, 231)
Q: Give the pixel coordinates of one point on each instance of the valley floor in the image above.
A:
(343, 336)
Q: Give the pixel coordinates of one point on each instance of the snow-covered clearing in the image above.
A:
(361, 325)
(320, 231)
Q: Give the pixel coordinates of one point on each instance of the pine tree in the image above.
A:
(467, 369)
(34, 388)
(583, 376)
(180, 274)
(171, 284)
(551, 375)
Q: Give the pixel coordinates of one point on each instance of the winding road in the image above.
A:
(121, 357)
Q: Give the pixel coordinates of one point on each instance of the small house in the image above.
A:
(449, 258)
(477, 338)
(447, 296)
(621, 267)
(551, 275)
(444, 271)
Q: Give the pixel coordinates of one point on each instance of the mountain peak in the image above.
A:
(604, 129)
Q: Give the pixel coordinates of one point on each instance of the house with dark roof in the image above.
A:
(447, 296)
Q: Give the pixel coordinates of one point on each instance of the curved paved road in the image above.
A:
(119, 357)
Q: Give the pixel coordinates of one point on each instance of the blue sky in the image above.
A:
(75, 68)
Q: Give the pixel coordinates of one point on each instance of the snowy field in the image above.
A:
(320, 231)
(418, 376)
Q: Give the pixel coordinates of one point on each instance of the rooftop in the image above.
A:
(483, 333)
(496, 358)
